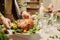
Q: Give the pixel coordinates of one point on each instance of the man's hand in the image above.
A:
(25, 15)
(6, 22)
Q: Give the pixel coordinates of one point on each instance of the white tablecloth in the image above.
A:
(43, 34)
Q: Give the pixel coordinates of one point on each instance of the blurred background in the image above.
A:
(32, 7)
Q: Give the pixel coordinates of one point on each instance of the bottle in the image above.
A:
(41, 10)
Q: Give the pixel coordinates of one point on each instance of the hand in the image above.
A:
(6, 22)
(25, 15)
(55, 11)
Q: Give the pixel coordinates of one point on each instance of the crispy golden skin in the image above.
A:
(47, 10)
(26, 24)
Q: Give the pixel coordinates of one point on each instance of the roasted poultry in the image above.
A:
(26, 24)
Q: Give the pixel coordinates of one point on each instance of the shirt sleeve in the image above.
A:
(1, 14)
(22, 4)
(0, 18)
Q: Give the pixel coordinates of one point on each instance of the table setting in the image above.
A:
(44, 25)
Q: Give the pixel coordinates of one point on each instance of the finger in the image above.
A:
(9, 22)
(7, 25)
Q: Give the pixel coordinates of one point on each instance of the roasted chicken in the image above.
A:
(48, 10)
(26, 24)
